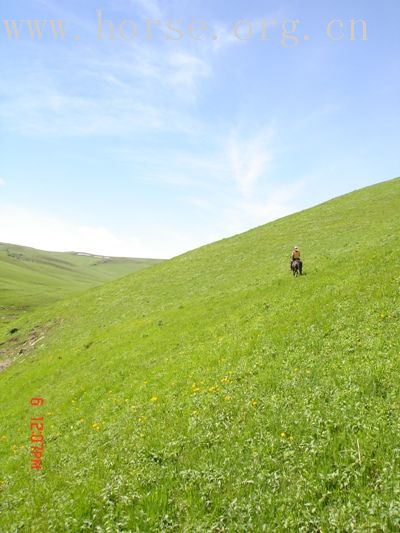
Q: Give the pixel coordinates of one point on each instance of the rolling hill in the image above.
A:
(30, 277)
(214, 391)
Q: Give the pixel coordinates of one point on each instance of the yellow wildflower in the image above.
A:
(254, 403)
(283, 434)
(154, 399)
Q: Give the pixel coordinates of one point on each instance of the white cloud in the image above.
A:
(55, 113)
(38, 229)
(200, 203)
(137, 87)
(226, 32)
(20, 225)
(2, 182)
(149, 8)
(249, 160)
(186, 69)
(225, 37)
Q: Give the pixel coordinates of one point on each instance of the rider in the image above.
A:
(294, 256)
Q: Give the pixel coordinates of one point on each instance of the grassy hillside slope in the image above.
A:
(30, 277)
(215, 392)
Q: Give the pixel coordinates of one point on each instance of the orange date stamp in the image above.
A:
(37, 437)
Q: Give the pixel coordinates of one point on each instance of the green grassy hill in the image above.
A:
(30, 277)
(215, 392)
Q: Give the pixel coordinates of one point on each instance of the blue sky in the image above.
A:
(149, 147)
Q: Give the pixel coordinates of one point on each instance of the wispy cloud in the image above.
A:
(2, 182)
(186, 69)
(249, 159)
(149, 8)
(137, 87)
(241, 190)
(200, 203)
(55, 113)
(225, 37)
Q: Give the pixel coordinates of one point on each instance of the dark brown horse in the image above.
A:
(297, 267)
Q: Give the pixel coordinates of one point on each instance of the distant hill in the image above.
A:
(215, 392)
(30, 277)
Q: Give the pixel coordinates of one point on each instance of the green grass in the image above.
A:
(215, 392)
(30, 277)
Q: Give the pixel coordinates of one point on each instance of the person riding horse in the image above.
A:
(295, 256)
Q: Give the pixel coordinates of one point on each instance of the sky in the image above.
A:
(153, 127)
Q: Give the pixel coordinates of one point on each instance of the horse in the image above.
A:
(297, 267)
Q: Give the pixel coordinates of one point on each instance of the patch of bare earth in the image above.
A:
(16, 347)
